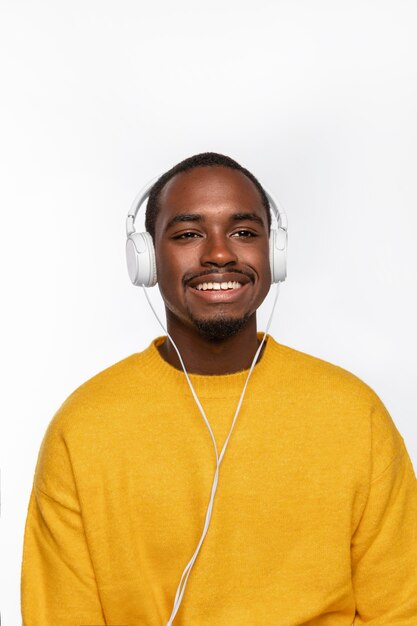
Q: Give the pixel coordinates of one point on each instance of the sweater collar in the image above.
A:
(204, 385)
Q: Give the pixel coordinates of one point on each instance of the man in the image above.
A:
(315, 516)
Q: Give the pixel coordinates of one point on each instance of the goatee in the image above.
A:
(221, 328)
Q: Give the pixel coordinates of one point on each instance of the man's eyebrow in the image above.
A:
(252, 217)
(184, 217)
(196, 217)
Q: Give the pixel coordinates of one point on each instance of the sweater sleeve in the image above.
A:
(58, 585)
(384, 545)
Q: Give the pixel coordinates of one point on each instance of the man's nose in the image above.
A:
(218, 250)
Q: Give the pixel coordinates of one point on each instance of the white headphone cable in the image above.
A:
(186, 572)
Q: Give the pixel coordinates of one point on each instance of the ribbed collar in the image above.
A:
(151, 363)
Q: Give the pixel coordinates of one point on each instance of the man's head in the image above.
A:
(210, 224)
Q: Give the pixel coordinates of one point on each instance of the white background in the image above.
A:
(317, 98)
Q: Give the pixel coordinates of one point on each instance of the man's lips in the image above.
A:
(219, 278)
(219, 287)
(221, 295)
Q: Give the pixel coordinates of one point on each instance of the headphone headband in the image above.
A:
(143, 195)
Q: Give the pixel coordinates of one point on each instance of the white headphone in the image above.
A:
(140, 251)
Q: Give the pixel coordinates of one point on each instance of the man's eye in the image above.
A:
(187, 235)
(244, 233)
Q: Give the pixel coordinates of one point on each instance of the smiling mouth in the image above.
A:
(220, 282)
(217, 286)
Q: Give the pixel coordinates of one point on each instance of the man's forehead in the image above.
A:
(209, 185)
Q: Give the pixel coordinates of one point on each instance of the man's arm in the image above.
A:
(384, 546)
(58, 581)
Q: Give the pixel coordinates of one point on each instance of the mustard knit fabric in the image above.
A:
(314, 521)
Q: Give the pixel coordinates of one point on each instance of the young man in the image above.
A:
(315, 516)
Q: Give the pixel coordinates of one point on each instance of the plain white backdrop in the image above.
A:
(317, 97)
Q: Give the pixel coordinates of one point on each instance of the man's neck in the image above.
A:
(208, 357)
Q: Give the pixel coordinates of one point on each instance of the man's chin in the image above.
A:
(220, 328)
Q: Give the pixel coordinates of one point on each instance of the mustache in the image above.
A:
(187, 277)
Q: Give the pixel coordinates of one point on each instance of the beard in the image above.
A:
(219, 328)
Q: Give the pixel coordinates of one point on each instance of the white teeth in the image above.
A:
(217, 286)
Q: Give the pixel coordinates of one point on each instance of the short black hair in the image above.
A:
(205, 159)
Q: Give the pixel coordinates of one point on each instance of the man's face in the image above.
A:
(212, 250)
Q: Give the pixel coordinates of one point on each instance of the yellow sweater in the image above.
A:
(314, 521)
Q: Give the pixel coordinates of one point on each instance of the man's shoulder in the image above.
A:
(335, 395)
(311, 373)
(105, 393)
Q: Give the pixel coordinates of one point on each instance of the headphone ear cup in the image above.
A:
(278, 254)
(140, 257)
